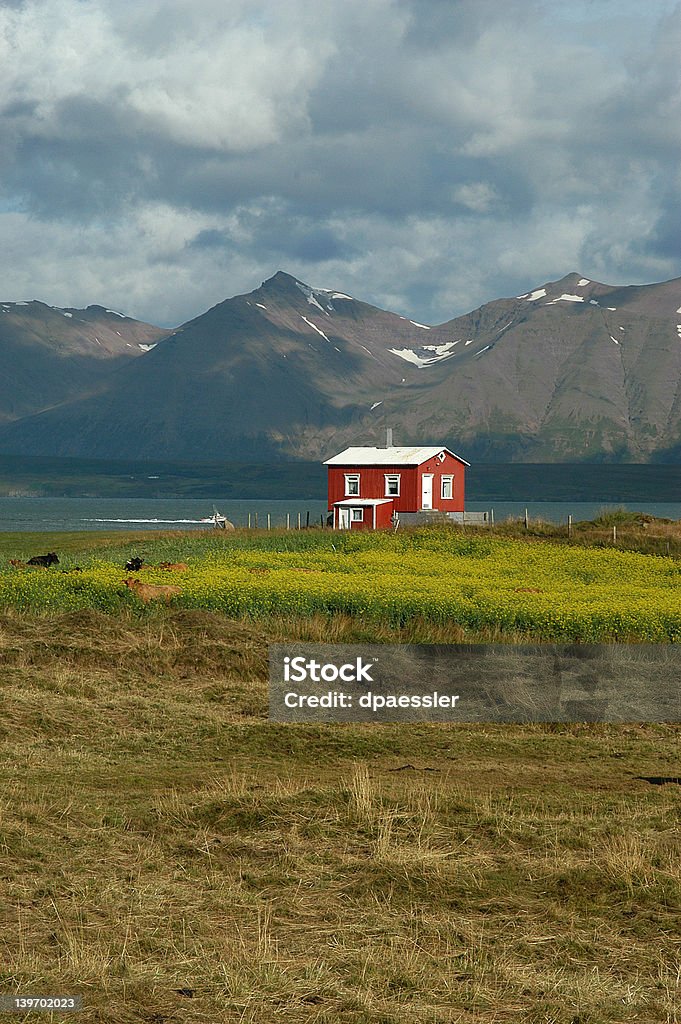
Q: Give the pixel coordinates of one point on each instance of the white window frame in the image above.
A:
(392, 476)
(450, 478)
(356, 515)
(351, 477)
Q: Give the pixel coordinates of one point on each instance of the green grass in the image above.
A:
(445, 580)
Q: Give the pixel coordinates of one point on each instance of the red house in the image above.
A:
(367, 486)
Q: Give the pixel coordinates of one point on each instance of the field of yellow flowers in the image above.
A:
(541, 590)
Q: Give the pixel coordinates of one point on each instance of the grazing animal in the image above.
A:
(147, 592)
(45, 560)
(134, 564)
(177, 566)
(17, 563)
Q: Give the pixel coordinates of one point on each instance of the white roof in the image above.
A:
(394, 456)
(356, 502)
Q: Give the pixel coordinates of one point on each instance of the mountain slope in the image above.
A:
(573, 370)
(48, 355)
(277, 371)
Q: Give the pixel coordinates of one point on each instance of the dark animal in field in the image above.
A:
(147, 592)
(17, 563)
(45, 560)
(134, 564)
(177, 566)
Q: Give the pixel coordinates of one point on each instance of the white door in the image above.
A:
(343, 518)
(427, 490)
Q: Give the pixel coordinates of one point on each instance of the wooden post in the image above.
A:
(307, 522)
(526, 520)
(249, 520)
(569, 527)
(667, 548)
(256, 520)
(321, 520)
(299, 520)
(491, 517)
(288, 520)
(269, 521)
(614, 534)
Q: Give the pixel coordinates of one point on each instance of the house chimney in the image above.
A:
(389, 437)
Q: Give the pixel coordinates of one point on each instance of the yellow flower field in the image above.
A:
(545, 590)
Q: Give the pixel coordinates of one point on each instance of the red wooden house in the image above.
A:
(368, 486)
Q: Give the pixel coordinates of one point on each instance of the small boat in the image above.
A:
(216, 519)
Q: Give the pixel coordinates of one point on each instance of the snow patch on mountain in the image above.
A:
(146, 348)
(583, 282)
(565, 297)
(116, 313)
(422, 356)
(539, 293)
(425, 328)
(375, 406)
(314, 327)
(311, 295)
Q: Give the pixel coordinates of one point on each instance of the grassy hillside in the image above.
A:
(159, 834)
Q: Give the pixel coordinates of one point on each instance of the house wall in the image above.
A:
(383, 517)
(372, 483)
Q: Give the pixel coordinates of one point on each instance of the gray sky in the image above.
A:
(158, 156)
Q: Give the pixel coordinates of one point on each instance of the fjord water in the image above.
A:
(38, 514)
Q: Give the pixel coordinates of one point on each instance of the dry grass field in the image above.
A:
(171, 856)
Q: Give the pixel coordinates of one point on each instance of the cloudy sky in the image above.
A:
(424, 155)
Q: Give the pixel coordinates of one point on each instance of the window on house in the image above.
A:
(392, 485)
(352, 484)
(447, 486)
(357, 515)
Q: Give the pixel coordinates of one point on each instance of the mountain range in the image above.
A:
(573, 370)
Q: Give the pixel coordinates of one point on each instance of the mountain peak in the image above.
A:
(279, 279)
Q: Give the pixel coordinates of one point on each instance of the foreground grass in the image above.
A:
(158, 833)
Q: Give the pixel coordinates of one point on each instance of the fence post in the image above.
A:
(569, 526)
(288, 520)
(491, 514)
(256, 520)
(307, 520)
(249, 520)
(667, 548)
(614, 534)
(299, 520)
(269, 521)
(321, 520)
(526, 520)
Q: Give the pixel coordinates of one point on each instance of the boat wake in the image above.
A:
(197, 521)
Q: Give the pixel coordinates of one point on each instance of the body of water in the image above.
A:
(47, 514)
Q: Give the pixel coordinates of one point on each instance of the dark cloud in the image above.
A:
(424, 154)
